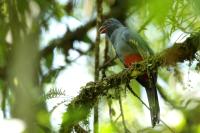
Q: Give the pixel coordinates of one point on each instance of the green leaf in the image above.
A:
(51, 75)
(49, 61)
(58, 11)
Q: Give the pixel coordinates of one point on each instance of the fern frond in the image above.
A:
(54, 93)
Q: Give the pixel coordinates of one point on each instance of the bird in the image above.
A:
(131, 48)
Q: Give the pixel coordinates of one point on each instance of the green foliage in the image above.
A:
(22, 5)
(51, 76)
(43, 118)
(196, 5)
(3, 55)
(107, 128)
(156, 20)
(49, 61)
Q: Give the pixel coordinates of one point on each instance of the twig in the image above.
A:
(109, 100)
(131, 90)
(105, 59)
(98, 23)
(110, 108)
(145, 23)
(79, 129)
(58, 104)
(166, 98)
(108, 63)
(122, 113)
(118, 117)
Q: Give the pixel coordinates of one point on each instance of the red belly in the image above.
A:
(130, 59)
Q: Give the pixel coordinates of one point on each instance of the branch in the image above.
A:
(67, 40)
(81, 105)
(97, 52)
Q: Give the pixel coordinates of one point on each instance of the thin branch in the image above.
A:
(109, 102)
(122, 114)
(57, 105)
(96, 72)
(145, 23)
(131, 90)
(105, 59)
(108, 63)
(67, 40)
(118, 117)
(79, 129)
(167, 99)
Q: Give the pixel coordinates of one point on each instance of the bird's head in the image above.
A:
(109, 26)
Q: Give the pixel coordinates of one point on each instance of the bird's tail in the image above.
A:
(152, 98)
(153, 105)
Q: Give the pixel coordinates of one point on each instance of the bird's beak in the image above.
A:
(103, 29)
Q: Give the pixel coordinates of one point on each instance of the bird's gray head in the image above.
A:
(109, 26)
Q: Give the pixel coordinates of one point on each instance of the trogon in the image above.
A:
(130, 48)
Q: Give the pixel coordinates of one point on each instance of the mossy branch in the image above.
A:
(81, 105)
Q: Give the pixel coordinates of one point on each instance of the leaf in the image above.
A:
(58, 11)
(49, 61)
(54, 92)
(51, 75)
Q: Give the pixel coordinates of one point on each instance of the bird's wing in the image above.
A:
(136, 41)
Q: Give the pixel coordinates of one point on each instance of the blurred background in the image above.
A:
(47, 53)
